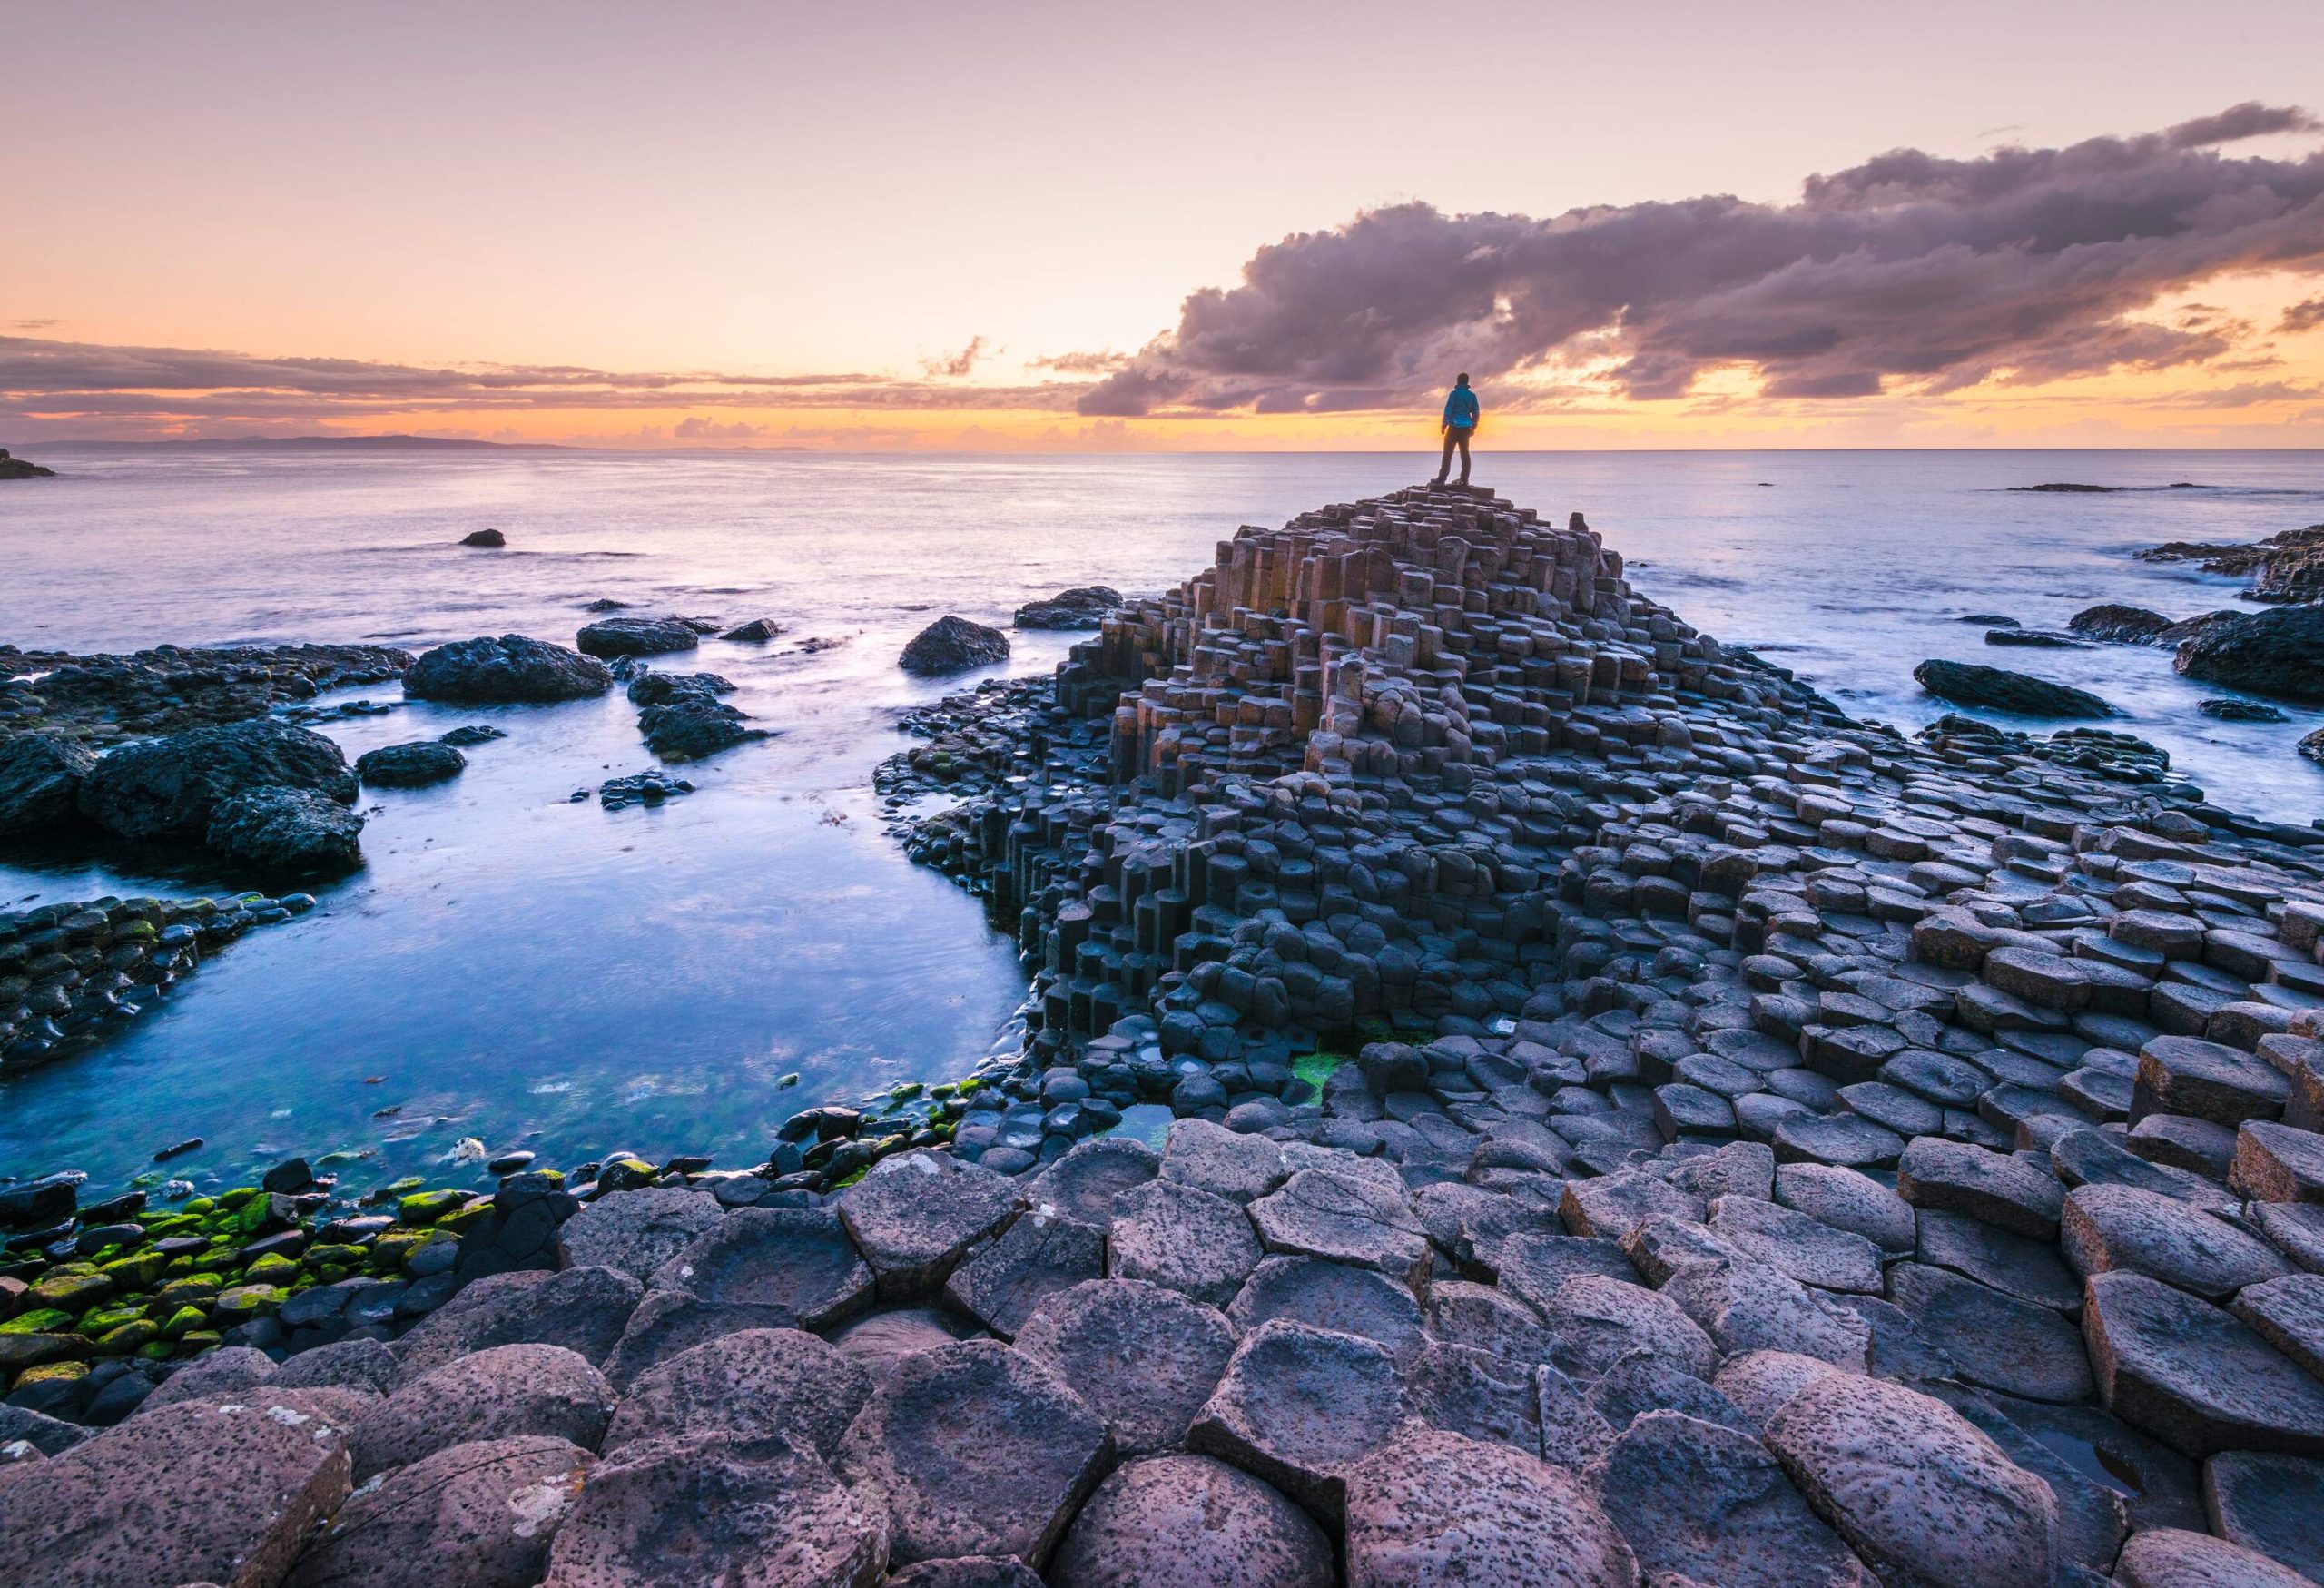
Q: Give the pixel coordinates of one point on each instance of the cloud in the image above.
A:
(1907, 272)
(36, 324)
(1103, 363)
(121, 389)
(960, 363)
(2305, 315)
(698, 428)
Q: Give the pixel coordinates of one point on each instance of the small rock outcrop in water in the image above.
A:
(758, 631)
(262, 792)
(953, 645)
(639, 788)
(409, 765)
(2286, 568)
(637, 637)
(2069, 487)
(2278, 653)
(2240, 711)
(171, 687)
(1998, 689)
(1083, 607)
(2118, 624)
(683, 719)
(2034, 638)
(490, 539)
(22, 469)
(472, 733)
(510, 669)
(40, 783)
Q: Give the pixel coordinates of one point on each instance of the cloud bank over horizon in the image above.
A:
(1909, 276)
(1908, 272)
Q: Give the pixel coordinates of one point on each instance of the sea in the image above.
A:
(513, 968)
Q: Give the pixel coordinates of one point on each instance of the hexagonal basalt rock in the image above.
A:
(1923, 1497)
(473, 1513)
(2288, 1314)
(2191, 1376)
(670, 1321)
(1612, 1206)
(681, 1513)
(1189, 1240)
(746, 1386)
(2206, 1081)
(1225, 1163)
(915, 1215)
(1995, 1340)
(1144, 1359)
(2030, 1270)
(1751, 1307)
(2276, 1163)
(1599, 1321)
(193, 1492)
(1474, 1393)
(1696, 1498)
(979, 1450)
(1323, 1295)
(1994, 1187)
(799, 1260)
(1191, 1522)
(1298, 1408)
(1002, 1283)
(637, 1231)
(1083, 1184)
(2111, 1228)
(1319, 1214)
(1810, 1252)
(1844, 1199)
(2271, 1503)
(496, 1394)
(583, 1310)
(2169, 1557)
(1433, 1509)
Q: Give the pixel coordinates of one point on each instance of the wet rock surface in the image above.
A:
(953, 645)
(511, 670)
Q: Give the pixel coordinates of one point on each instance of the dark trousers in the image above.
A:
(1455, 435)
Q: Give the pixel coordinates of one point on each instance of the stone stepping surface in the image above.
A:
(1752, 1148)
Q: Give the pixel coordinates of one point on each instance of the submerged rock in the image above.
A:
(954, 645)
(2118, 624)
(512, 668)
(756, 632)
(286, 828)
(636, 636)
(409, 765)
(491, 539)
(1998, 689)
(260, 791)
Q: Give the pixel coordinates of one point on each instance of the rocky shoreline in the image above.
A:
(1630, 1123)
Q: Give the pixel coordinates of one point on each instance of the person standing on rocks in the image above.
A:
(1460, 424)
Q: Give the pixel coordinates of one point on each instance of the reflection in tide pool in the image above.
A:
(532, 973)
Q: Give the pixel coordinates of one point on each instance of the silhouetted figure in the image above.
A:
(1460, 424)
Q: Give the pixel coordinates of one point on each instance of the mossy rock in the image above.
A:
(218, 1259)
(427, 1207)
(157, 1350)
(332, 1253)
(229, 1201)
(625, 1174)
(1315, 1069)
(185, 1321)
(463, 1219)
(198, 1207)
(195, 1290)
(245, 1302)
(274, 1268)
(387, 1252)
(195, 1341)
(127, 1339)
(51, 1373)
(99, 1321)
(137, 1271)
(71, 1291)
(40, 1320)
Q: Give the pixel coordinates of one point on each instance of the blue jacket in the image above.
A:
(1461, 409)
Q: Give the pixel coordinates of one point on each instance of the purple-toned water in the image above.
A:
(532, 973)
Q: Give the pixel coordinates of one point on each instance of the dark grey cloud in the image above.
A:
(2305, 315)
(1098, 363)
(1908, 272)
(960, 364)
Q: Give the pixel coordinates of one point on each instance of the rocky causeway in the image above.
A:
(1618, 1122)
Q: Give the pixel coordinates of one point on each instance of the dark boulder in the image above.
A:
(286, 829)
(1998, 689)
(2118, 624)
(411, 765)
(636, 636)
(662, 688)
(2240, 711)
(756, 632)
(22, 469)
(510, 668)
(2048, 639)
(174, 787)
(2278, 653)
(40, 782)
(492, 539)
(1083, 607)
(954, 645)
(681, 717)
(461, 739)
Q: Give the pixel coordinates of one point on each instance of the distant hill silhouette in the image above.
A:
(336, 443)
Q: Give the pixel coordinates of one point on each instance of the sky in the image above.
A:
(1201, 226)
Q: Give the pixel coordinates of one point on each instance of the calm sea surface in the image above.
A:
(536, 974)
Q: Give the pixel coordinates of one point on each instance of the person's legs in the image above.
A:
(1462, 437)
(1452, 440)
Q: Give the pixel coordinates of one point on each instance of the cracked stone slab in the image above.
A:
(1041, 1253)
(482, 1513)
(1433, 1509)
(1298, 1407)
(585, 1310)
(2107, 1228)
(916, 1214)
(1319, 1214)
(979, 1450)
(2030, 1270)
(2193, 1375)
(1844, 1198)
(1598, 1322)
(1083, 1184)
(1996, 1188)
(1809, 1251)
(1751, 1307)
(747, 1385)
(1359, 1301)
(494, 1394)
(635, 1231)
(2167, 1558)
(2271, 1503)
(1174, 1234)
(1995, 1340)
(1211, 1158)
(1145, 1359)
(1191, 1522)
(2288, 1314)
(798, 1259)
